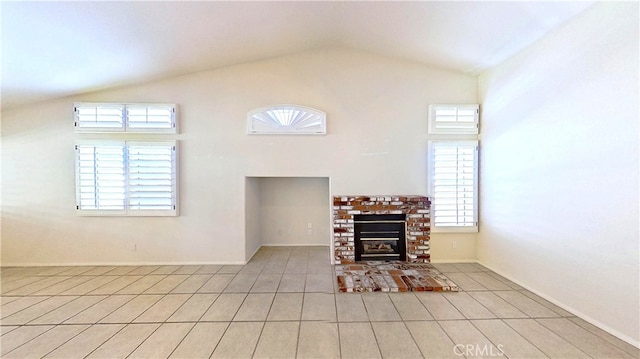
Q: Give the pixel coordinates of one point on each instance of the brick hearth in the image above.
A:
(417, 209)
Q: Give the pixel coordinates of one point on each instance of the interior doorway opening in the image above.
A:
(287, 211)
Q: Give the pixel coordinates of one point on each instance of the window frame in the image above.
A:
(460, 228)
(454, 133)
(127, 210)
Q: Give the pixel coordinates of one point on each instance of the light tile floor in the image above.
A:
(283, 304)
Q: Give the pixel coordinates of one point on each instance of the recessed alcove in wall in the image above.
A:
(287, 211)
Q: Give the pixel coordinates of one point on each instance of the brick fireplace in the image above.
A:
(418, 222)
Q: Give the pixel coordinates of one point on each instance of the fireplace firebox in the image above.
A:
(380, 237)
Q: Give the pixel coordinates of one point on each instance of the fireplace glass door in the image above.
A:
(380, 237)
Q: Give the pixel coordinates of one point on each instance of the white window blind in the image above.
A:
(126, 178)
(111, 117)
(454, 119)
(454, 184)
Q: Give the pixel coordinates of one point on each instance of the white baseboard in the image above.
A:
(183, 263)
(294, 245)
(453, 261)
(253, 254)
(103, 264)
(577, 313)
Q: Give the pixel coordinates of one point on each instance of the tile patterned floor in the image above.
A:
(283, 304)
(392, 276)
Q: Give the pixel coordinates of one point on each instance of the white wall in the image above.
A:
(288, 205)
(376, 144)
(453, 247)
(559, 168)
(253, 236)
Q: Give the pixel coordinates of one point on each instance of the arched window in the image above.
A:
(286, 120)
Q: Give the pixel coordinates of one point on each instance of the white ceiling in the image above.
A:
(52, 49)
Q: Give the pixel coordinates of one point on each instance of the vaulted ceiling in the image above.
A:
(52, 49)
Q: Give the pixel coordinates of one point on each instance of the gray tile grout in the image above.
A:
(485, 336)
(54, 349)
(530, 342)
(264, 262)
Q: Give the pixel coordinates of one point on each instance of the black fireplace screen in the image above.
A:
(380, 237)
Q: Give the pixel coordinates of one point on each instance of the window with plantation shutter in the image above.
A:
(454, 185)
(126, 178)
(454, 119)
(113, 117)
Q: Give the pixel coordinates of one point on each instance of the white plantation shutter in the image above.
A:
(112, 117)
(100, 177)
(126, 178)
(454, 184)
(454, 119)
(152, 177)
(151, 117)
(93, 117)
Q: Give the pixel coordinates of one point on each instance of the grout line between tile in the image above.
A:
(299, 255)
